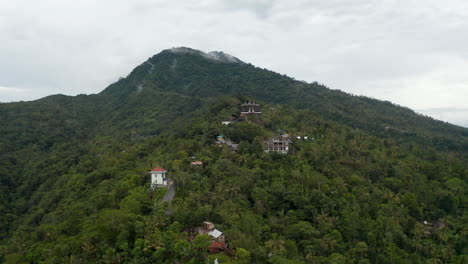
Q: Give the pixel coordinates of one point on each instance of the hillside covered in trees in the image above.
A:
(373, 183)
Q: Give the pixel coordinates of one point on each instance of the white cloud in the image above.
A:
(410, 52)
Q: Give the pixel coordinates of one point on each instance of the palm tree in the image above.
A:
(275, 245)
(89, 250)
(111, 256)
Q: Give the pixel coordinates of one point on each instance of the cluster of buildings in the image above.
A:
(218, 241)
(279, 144)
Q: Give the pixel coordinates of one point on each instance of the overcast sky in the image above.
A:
(413, 53)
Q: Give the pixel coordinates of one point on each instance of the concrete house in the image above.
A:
(158, 177)
(279, 144)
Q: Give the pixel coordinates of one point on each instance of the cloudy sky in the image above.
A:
(411, 52)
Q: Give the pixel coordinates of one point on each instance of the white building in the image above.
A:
(216, 235)
(158, 177)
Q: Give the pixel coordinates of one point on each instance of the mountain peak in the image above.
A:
(217, 56)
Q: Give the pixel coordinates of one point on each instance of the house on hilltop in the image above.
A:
(158, 177)
(279, 144)
(249, 108)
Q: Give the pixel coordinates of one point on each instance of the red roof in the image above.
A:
(217, 244)
(158, 169)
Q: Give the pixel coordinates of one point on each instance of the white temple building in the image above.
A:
(158, 177)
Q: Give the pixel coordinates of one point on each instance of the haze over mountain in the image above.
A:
(411, 54)
(377, 183)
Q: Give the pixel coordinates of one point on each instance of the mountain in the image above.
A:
(375, 182)
(194, 73)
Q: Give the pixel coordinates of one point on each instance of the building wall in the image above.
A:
(158, 178)
(250, 108)
(275, 145)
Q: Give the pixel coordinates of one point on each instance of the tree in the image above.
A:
(200, 246)
(275, 245)
(243, 256)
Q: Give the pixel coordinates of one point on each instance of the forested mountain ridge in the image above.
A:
(191, 74)
(378, 184)
(184, 71)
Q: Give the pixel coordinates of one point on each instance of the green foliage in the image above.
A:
(74, 182)
(243, 256)
(244, 131)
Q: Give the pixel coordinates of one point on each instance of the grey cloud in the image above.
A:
(450, 114)
(261, 8)
(411, 52)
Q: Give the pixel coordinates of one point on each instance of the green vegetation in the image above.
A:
(74, 182)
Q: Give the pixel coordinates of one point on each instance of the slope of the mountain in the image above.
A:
(191, 73)
(376, 184)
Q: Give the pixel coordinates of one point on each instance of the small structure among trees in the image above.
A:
(158, 177)
(228, 121)
(218, 240)
(232, 120)
(250, 107)
(279, 144)
(220, 141)
(197, 163)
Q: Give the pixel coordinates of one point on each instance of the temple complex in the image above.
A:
(250, 107)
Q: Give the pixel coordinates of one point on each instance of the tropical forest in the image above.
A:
(308, 175)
